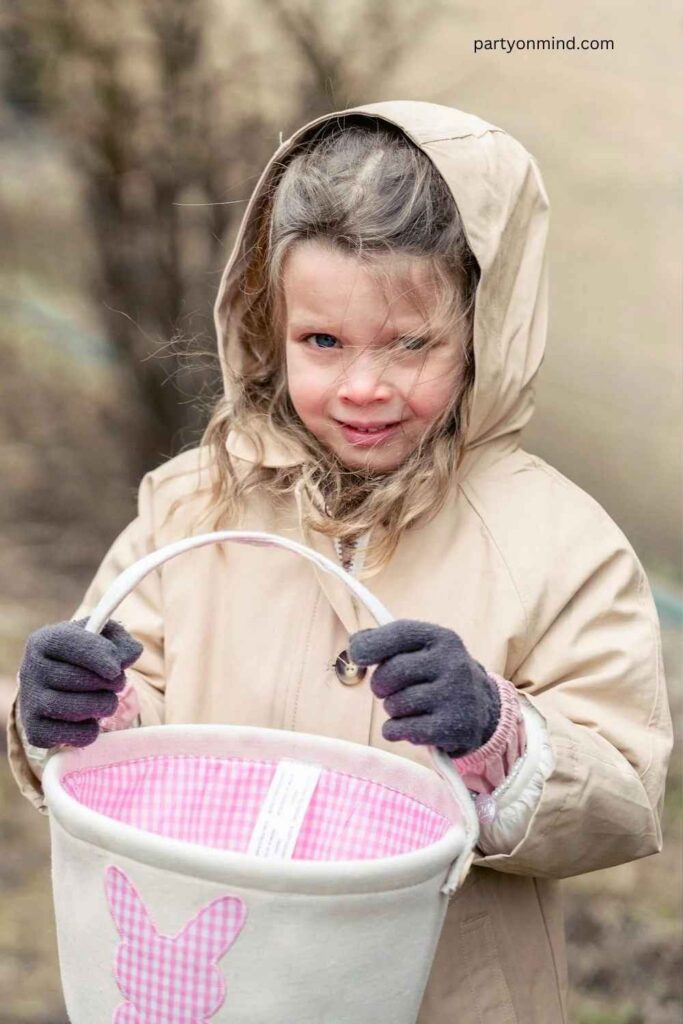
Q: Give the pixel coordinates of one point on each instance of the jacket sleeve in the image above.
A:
(140, 613)
(594, 678)
(505, 776)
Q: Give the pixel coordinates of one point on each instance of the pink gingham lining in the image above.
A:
(215, 801)
(169, 978)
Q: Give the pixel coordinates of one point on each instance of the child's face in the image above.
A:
(353, 357)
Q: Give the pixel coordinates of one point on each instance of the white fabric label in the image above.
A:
(283, 810)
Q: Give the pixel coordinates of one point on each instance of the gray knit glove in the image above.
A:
(69, 679)
(434, 691)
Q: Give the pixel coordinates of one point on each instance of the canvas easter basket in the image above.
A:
(239, 875)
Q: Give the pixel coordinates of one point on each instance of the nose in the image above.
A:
(365, 379)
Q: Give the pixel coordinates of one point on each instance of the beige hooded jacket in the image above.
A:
(542, 586)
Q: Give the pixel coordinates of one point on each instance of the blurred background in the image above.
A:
(131, 136)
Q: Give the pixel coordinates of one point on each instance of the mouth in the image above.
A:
(368, 434)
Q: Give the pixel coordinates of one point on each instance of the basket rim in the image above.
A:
(224, 866)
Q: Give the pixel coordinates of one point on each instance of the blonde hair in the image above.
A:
(361, 186)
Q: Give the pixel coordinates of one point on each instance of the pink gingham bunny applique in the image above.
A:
(169, 977)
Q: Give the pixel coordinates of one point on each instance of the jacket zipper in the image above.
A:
(353, 562)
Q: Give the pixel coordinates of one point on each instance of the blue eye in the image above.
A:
(329, 336)
(413, 344)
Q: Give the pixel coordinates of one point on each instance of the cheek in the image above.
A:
(305, 388)
(433, 392)
(295, 375)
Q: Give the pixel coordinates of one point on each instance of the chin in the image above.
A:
(370, 463)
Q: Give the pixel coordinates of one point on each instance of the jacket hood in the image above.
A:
(504, 208)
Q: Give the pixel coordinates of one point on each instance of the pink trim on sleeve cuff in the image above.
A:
(126, 712)
(485, 768)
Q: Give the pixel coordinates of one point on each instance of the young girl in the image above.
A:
(380, 325)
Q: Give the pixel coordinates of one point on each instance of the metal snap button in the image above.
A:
(347, 671)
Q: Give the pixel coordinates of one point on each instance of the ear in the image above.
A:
(126, 906)
(214, 928)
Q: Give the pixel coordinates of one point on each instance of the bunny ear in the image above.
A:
(129, 912)
(126, 1014)
(214, 928)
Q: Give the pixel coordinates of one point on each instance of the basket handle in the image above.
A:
(134, 574)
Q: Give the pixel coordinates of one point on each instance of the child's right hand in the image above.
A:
(69, 679)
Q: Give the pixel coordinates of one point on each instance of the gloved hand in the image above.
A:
(69, 679)
(434, 691)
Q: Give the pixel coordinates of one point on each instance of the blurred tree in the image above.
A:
(345, 56)
(158, 104)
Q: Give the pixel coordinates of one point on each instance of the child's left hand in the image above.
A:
(434, 691)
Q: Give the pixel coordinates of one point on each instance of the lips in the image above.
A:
(363, 437)
(368, 426)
